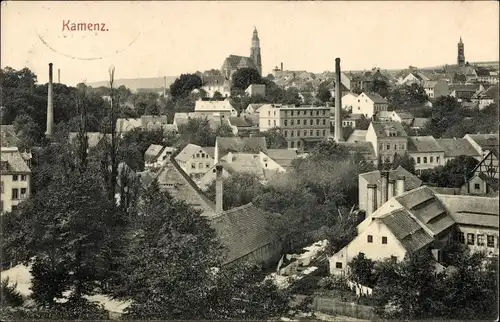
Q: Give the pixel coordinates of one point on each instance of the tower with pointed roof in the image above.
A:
(461, 54)
(255, 51)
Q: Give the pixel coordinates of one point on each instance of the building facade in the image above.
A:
(296, 123)
(387, 138)
(15, 185)
(194, 160)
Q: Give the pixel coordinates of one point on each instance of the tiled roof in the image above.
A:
(242, 163)
(406, 229)
(283, 157)
(210, 150)
(241, 121)
(174, 180)
(182, 118)
(237, 144)
(470, 204)
(201, 106)
(150, 120)
(411, 181)
(473, 219)
(93, 138)
(404, 115)
(489, 93)
(255, 107)
(242, 230)
(423, 144)
(383, 128)
(14, 160)
(455, 147)
(125, 125)
(357, 136)
(419, 122)
(8, 136)
(430, 84)
(362, 147)
(146, 178)
(485, 141)
(464, 88)
(376, 98)
(213, 80)
(236, 62)
(427, 208)
(187, 152)
(152, 152)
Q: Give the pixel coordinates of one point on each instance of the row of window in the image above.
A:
(471, 238)
(202, 155)
(304, 112)
(311, 133)
(369, 239)
(431, 159)
(200, 165)
(18, 193)
(381, 146)
(16, 177)
(292, 123)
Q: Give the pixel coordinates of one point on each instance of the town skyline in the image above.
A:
(142, 42)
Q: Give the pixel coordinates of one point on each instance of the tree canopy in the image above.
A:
(184, 85)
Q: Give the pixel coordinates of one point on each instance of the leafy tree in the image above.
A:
(362, 270)
(217, 96)
(363, 123)
(27, 130)
(405, 161)
(197, 131)
(174, 246)
(244, 77)
(459, 78)
(184, 85)
(275, 138)
(324, 94)
(407, 95)
(239, 189)
(379, 86)
(291, 97)
(10, 295)
(224, 130)
(453, 174)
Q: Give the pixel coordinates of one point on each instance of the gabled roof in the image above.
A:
(236, 62)
(242, 163)
(212, 80)
(423, 144)
(173, 179)
(473, 210)
(14, 160)
(202, 106)
(485, 141)
(384, 114)
(363, 148)
(283, 157)
(382, 129)
(94, 138)
(430, 84)
(464, 87)
(427, 209)
(237, 144)
(404, 115)
(242, 230)
(376, 98)
(125, 125)
(357, 136)
(153, 152)
(187, 153)
(456, 147)
(255, 107)
(210, 150)
(411, 181)
(406, 229)
(241, 121)
(493, 152)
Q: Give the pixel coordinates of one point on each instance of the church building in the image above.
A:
(233, 62)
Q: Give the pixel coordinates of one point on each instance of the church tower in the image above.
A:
(255, 51)
(461, 54)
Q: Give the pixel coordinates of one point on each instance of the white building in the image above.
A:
(15, 186)
(205, 108)
(368, 104)
(195, 160)
(426, 152)
(156, 155)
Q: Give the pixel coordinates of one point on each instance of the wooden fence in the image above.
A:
(332, 305)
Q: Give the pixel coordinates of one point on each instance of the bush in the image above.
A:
(334, 283)
(77, 310)
(10, 296)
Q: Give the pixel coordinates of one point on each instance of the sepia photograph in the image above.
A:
(249, 160)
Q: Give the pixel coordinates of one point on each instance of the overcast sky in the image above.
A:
(150, 39)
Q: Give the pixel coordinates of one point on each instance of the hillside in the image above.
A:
(139, 83)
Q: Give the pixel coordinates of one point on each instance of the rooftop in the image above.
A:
(456, 147)
(411, 181)
(485, 141)
(237, 144)
(283, 157)
(376, 98)
(14, 160)
(423, 144)
(152, 152)
(388, 129)
(187, 153)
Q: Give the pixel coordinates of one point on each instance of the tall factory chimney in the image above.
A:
(281, 66)
(50, 109)
(164, 86)
(58, 76)
(338, 104)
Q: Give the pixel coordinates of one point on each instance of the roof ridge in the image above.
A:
(225, 212)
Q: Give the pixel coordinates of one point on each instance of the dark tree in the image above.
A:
(324, 94)
(275, 138)
(184, 85)
(244, 77)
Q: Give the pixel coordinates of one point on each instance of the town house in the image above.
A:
(426, 152)
(209, 109)
(484, 178)
(15, 185)
(435, 89)
(387, 139)
(369, 104)
(194, 160)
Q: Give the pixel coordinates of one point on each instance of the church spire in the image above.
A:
(255, 50)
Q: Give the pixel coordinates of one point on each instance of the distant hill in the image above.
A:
(135, 84)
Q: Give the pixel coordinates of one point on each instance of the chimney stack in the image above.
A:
(384, 186)
(50, 109)
(165, 86)
(390, 189)
(281, 66)
(58, 76)
(218, 190)
(338, 103)
(371, 206)
(400, 185)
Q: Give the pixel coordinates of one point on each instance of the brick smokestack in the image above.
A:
(338, 103)
(165, 86)
(50, 108)
(58, 76)
(372, 199)
(390, 190)
(281, 66)
(400, 185)
(219, 205)
(384, 187)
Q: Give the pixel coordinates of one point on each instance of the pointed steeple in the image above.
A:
(255, 34)
(460, 40)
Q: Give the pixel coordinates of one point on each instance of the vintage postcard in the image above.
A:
(249, 160)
